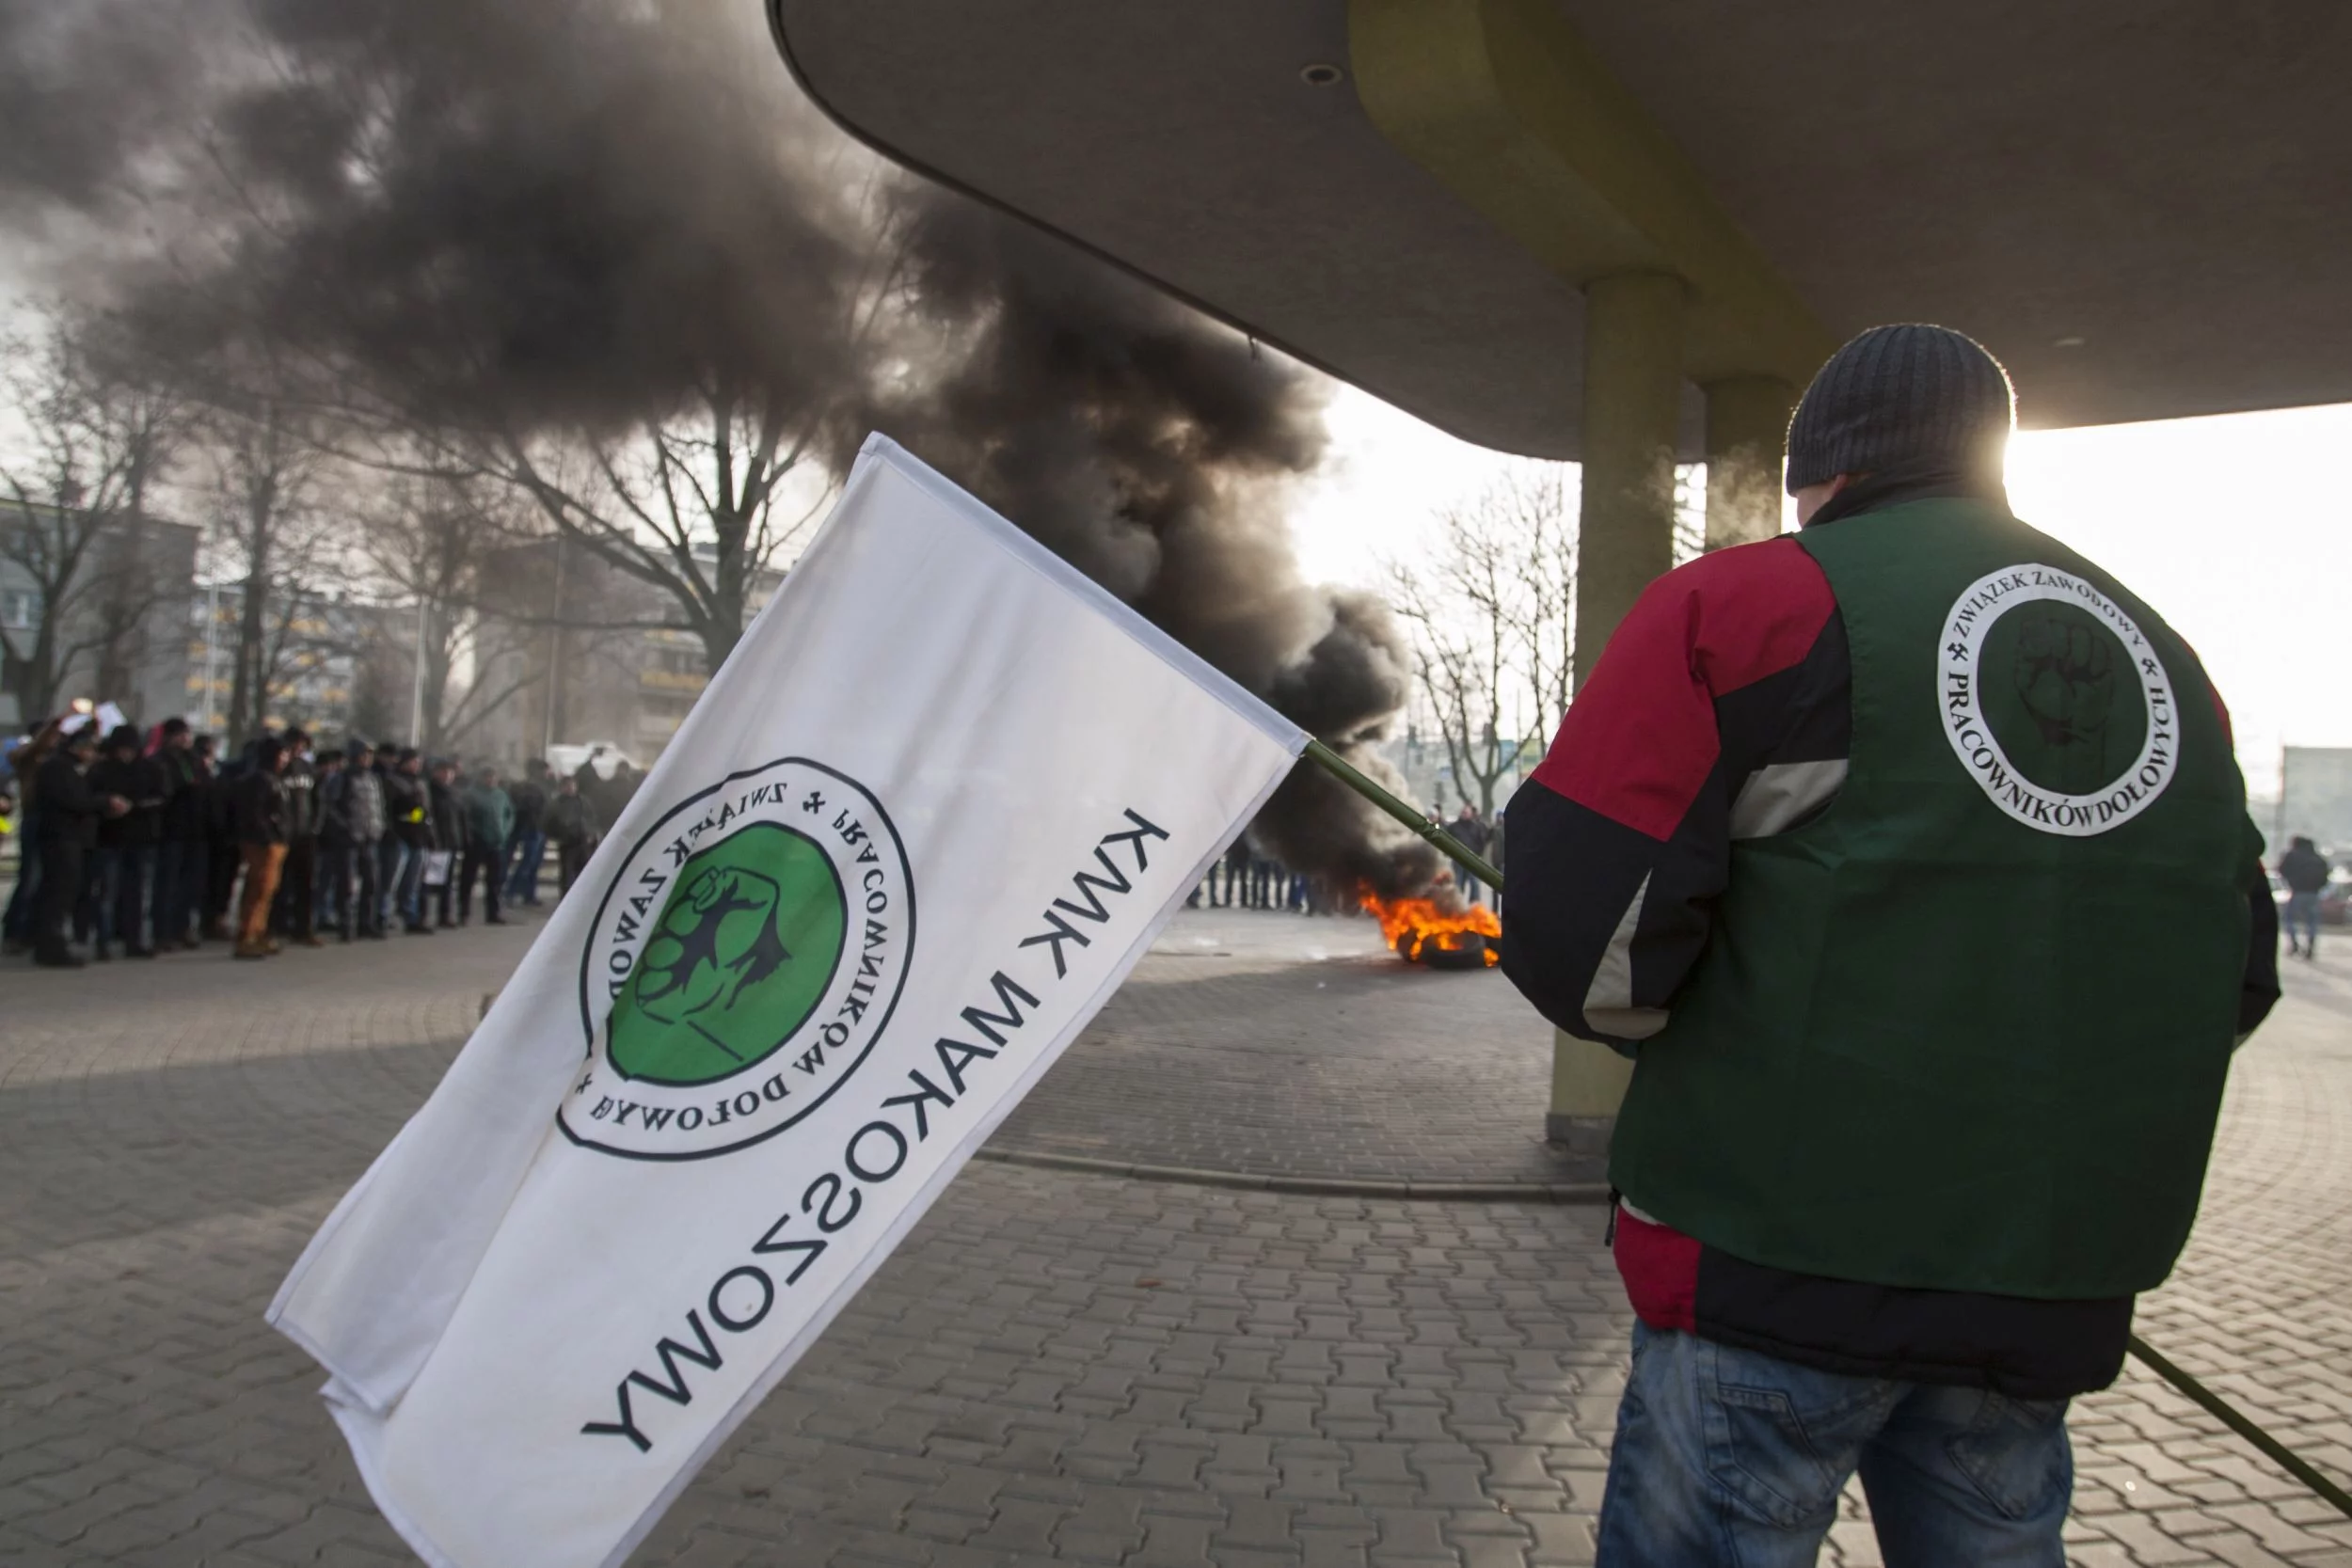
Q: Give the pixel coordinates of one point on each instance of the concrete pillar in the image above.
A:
(1747, 426)
(1634, 338)
(1633, 356)
(1588, 1083)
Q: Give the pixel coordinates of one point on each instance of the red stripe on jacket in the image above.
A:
(1640, 740)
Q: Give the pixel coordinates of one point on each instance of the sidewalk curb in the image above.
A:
(1315, 1186)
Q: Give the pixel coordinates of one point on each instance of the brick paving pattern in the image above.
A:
(1308, 1051)
(1056, 1366)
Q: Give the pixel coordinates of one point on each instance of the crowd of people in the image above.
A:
(1246, 879)
(135, 843)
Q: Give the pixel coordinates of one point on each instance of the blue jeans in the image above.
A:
(124, 874)
(401, 868)
(179, 887)
(1732, 1457)
(523, 879)
(2302, 914)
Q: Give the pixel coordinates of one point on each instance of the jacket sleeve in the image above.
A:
(2260, 992)
(2257, 992)
(64, 790)
(335, 805)
(1720, 709)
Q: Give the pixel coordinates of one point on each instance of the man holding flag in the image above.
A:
(1908, 859)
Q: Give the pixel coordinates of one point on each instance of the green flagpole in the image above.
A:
(1349, 774)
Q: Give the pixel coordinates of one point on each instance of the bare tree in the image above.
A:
(120, 612)
(1492, 620)
(270, 530)
(99, 430)
(430, 540)
(689, 505)
(694, 502)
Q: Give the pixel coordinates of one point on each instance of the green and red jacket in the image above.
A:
(1908, 857)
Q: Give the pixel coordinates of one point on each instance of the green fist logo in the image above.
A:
(2068, 717)
(743, 950)
(2065, 673)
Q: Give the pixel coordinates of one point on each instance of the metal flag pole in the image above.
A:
(1349, 774)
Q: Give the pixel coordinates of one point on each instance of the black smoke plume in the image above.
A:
(1151, 450)
(557, 216)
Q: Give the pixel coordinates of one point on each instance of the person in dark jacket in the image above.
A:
(296, 912)
(489, 823)
(1914, 1116)
(1469, 831)
(351, 833)
(573, 825)
(408, 809)
(21, 921)
(222, 858)
(327, 909)
(448, 840)
(262, 819)
(71, 812)
(125, 865)
(527, 846)
(180, 848)
(2304, 870)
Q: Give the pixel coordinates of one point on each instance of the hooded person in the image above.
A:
(1849, 835)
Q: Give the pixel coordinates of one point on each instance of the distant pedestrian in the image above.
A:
(408, 809)
(328, 897)
(448, 840)
(70, 814)
(125, 866)
(1236, 876)
(621, 788)
(490, 821)
(21, 923)
(351, 837)
(260, 812)
(527, 846)
(179, 849)
(573, 827)
(222, 857)
(2304, 870)
(1469, 831)
(296, 912)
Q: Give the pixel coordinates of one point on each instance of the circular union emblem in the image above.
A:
(2056, 703)
(745, 957)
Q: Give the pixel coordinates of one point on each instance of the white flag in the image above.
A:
(920, 826)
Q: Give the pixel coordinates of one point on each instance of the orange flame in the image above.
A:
(1414, 926)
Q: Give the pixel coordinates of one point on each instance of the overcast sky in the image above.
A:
(2236, 528)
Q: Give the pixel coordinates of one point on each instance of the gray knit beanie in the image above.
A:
(1901, 395)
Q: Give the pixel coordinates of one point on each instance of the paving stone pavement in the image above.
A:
(1308, 1050)
(1056, 1366)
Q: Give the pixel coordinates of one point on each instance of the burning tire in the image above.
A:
(1462, 950)
(1421, 931)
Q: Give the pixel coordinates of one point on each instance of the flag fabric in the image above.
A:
(922, 823)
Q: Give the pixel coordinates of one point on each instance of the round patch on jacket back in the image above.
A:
(2056, 702)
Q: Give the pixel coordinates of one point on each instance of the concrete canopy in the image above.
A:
(2145, 211)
